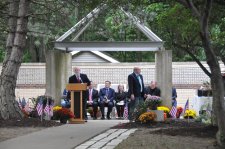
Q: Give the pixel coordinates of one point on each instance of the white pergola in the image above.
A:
(63, 59)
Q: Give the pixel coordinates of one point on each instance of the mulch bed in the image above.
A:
(175, 128)
(28, 122)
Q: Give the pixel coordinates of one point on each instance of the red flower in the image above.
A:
(64, 113)
(179, 111)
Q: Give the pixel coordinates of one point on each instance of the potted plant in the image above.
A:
(179, 111)
(63, 114)
(147, 117)
(153, 102)
(165, 109)
(190, 114)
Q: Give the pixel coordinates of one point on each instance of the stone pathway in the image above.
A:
(62, 137)
(107, 140)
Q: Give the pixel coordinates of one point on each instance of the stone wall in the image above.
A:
(187, 76)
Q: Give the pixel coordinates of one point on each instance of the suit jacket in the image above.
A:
(94, 95)
(83, 77)
(73, 79)
(152, 92)
(111, 94)
(134, 86)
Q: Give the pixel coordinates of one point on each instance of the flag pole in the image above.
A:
(188, 109)
(48, 108)
(41, 111)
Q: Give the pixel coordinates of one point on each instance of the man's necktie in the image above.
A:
(78, 79)
(140, 82)
(107, 92)
(90, 95)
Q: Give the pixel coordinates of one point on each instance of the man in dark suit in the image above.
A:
(107, 96)
(79, 78)
(92, 100)
(152, 90)
(135, 91)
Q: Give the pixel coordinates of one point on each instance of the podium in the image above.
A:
(76, 96)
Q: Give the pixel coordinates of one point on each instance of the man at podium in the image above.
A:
(79, 78)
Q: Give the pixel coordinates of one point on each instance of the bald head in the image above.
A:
(153, 84)
(76, 70)
(137, 70)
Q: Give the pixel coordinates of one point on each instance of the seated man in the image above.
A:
(107, 96)
(152, 90)
(92, 100)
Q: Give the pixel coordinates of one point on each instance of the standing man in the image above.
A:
(135, 91)
(79, 78)
(92, 100)
(107, 96)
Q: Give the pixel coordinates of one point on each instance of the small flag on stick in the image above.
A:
(186, 107)
(125, 113)
(173, 110)
(40, 107)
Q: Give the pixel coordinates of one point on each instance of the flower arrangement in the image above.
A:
(179, 111)
(63, 114)
(190, 114)
(163, 108)
(141, 108)
(147, 117)
(56, 108)
(25, 113)
(152, 102)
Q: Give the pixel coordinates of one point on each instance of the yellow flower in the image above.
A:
(163, 108)
(56, 108)
(190, 113)
(147, 116)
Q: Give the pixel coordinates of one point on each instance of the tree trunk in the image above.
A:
(216, 77)
(9, 108)
(216, 80)
(13, 14)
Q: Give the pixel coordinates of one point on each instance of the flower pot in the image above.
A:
(63, 120)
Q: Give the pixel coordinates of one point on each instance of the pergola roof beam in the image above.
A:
(86, 19)
(109, 46)
(142, 27)
(82, 30)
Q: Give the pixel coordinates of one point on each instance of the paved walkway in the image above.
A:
(63, 137)
(107, 140)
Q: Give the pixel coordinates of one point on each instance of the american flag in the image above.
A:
(47, 109)
(19, 102)
(173, 110)
(125, 113)
(40, 107)
(27, 107)
(186, 107)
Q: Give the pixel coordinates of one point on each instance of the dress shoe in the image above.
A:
(108, 118)
(102, 118)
